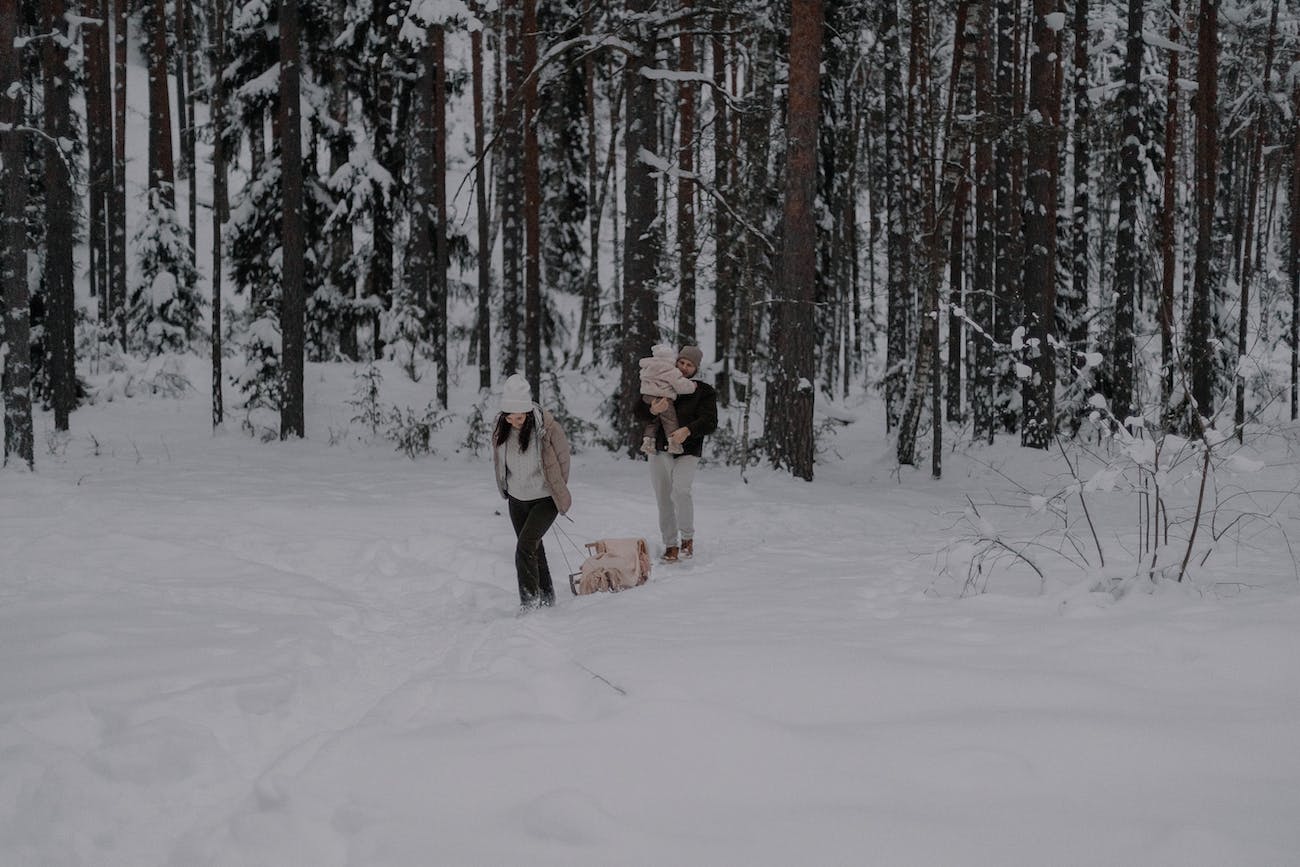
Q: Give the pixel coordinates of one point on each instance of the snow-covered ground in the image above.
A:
(215, 651)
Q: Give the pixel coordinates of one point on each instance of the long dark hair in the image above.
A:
(504, 428)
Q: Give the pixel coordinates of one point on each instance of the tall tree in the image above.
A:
(1038, 389)
(117, 200)
(685, 186)
(1200, 331)
(439, 191)
(220, 196)
(899, 292)
(791, 392)
(641, 241)
(510, 183)
(985, 217)
(724, 273)
(60, 222)
(16, 334)
(292, 240)
(1168, 212)
(1127, 268)
(1008, 170)
(1074, 308)
(162, 166)
(1254, 170)
(484, 321)
(532, 204)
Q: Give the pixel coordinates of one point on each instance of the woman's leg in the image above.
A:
(532, 519)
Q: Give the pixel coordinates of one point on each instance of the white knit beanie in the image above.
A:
(516, 396)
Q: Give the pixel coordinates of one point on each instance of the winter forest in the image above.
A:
(1002, 216)
(996, 554)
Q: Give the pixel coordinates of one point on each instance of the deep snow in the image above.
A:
(217, 651)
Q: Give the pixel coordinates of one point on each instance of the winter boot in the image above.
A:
(688, 548)
(670, 554)
(648, 446)
(674, 447)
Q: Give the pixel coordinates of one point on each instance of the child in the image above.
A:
(661, 378)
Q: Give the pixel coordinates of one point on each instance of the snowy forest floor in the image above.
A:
(217, 651)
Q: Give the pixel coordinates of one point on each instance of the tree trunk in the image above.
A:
(532, 205)
(1168, 211)
(1126, 243)
(162, 168)
(1252, 197)
(220, 197)
(60, 218)
(292, 290)
(791, 392)
(1038, 390)
(484, 322)
(985, 216)
(340, 241)
(99, 134)
(724, 287)
(1075, 308)
(440, 257)
(685, 187)
(117, 200)
(1200, 335)
(641, 241)
(1293, 247)
(16, 333)
(510, 152)
(898, 192)
(1007, 168)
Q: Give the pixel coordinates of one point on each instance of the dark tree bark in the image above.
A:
(1126, 244)
(484, 322)
(724, 288)
(899, 291)
(292, 289)
(641, 241)
(341, 248)
(1007, 170)
(791, 392)
(532, 205)
(1168, 210)
(1076, 303)
(220, 196)
(439, 193)
(99, 152)
(685, 188)
(16, 332)
(985, 217)
(60, 222)
(1038, 390)
(1293, 246)
(117, 200)
(1200, 334)
(510, 153)
(162, 167)
(1252, 196)
(184, 72)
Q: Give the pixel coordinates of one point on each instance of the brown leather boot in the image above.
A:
(688, 548)
(670, 554)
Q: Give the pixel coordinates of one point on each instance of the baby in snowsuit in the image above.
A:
(661, 378)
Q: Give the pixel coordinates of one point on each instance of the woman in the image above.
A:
(531, 456)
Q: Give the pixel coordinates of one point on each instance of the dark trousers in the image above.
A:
(532, 518)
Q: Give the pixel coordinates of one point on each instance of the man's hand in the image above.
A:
(679, 436)
(659, 405)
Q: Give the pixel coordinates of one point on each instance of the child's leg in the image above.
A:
(668, 418)
(648, 434)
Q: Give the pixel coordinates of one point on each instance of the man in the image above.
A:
(670, 474)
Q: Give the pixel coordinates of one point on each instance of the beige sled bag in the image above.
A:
(614, 565)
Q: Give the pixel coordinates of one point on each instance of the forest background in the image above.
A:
(1003, 217)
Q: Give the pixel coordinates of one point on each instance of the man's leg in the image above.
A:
(683, 476)
(661, 477)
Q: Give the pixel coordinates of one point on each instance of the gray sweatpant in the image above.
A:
(672, 478)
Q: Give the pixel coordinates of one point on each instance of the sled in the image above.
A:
(612, 565)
